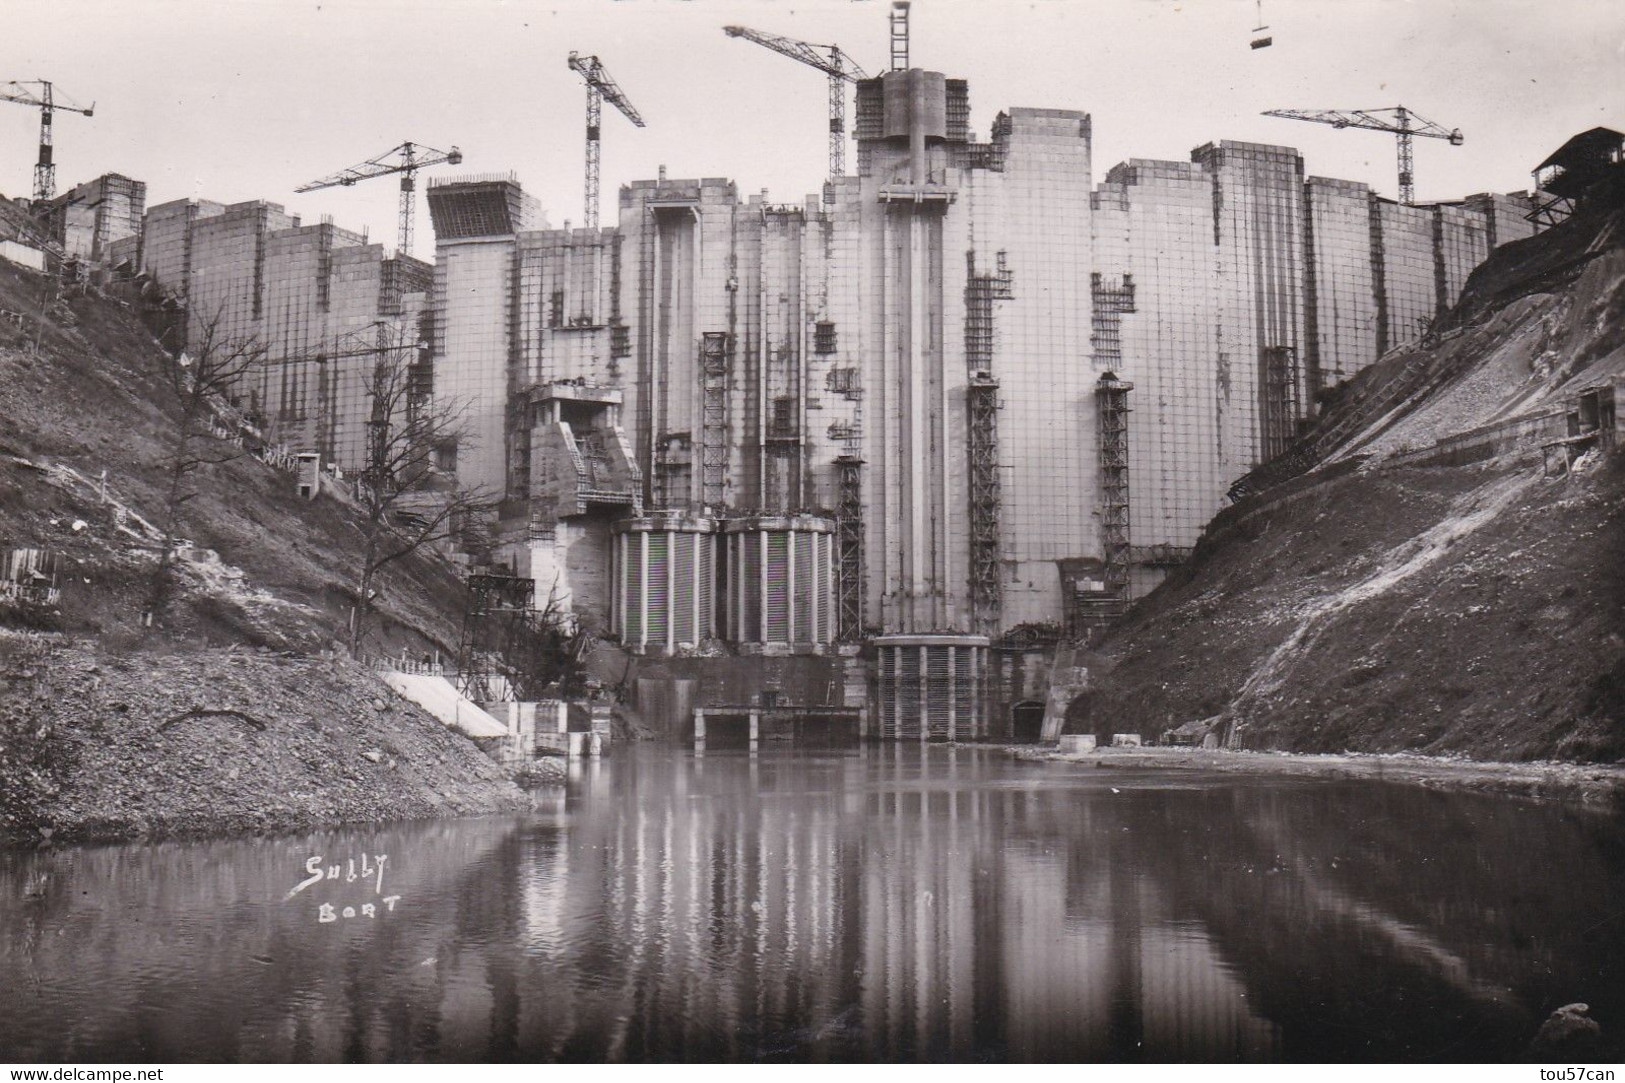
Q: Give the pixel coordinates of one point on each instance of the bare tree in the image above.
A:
(408, 502)
(198, 383)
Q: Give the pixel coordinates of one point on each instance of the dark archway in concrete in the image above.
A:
(1026, 721)
(1080, 718)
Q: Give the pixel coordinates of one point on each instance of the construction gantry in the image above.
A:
(849, 542)
(1111, 403)
(1280, 421)
(982, 409)
(714, 415)
(495, 619)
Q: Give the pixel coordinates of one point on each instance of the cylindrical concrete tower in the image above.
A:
(779, 582)
(664, 572)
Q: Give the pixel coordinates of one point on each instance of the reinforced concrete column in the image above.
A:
(643, 588)
(812, 595)
(953, 700)
(671, 590)
(694, 584)
(790, 575)
(761, 580)
(925, 693)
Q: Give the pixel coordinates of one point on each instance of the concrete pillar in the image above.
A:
(925, 698)
(978, 712)
(953, 705)
(696, 633)
(755, 727)
(671, 590)
(790, 563)
(615, 584)
(699, 727)
(643, 587)
(812, 595)
(761, 580)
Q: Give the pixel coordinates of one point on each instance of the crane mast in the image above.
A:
(601, 86)
(829, 59)
(48, 101)
(406, 160)
(1404, 123)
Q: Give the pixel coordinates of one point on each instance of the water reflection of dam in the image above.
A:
(894, 903)
(867, 907)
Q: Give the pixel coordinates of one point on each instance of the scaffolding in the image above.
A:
(1280, 399)
(982, 408)
(714, 414)
(1111, 402)
(496, 615)
(986, 588)
(1106, 319)
(849, 539)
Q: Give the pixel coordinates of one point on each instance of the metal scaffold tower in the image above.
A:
(986, 588)
(1280, 399)
(899, 35)
(49, 101)
(494, 619)
(1111, 403)
(849, 538)
(1106, 319)
(982, 410)
(714, 414)
(600, 86)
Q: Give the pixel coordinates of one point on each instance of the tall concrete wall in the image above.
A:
(310, 297)
(753, 345)
(1340, 310)
(1153, 230)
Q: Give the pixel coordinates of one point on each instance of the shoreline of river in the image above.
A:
(102, 746)
(1593, 785)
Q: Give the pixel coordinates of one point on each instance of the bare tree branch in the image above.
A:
(407, 502)
(199, 383)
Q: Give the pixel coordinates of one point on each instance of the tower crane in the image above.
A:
(406, 160)
(48, 101)
(600, 86)
(1399, 120)
(830, 60)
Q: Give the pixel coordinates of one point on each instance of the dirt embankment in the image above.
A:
(106, 728)
(102, 746)
(1460, 611)
(1381, 605)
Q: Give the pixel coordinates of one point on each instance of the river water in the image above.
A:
(891, 903)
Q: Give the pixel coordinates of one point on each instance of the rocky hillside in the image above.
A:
(95, 735)
(1409, 577)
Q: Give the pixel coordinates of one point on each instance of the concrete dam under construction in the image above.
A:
(963, 399)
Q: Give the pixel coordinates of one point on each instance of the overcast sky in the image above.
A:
(243, 99)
